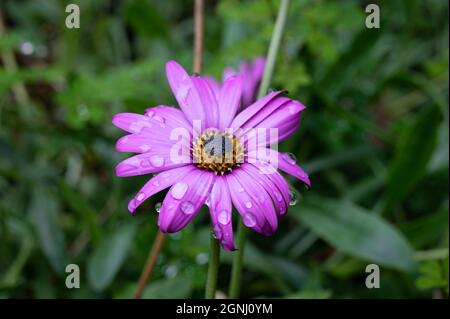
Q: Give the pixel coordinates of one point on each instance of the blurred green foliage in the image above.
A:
(374, 140)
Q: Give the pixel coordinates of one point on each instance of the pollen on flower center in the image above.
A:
(217, 152)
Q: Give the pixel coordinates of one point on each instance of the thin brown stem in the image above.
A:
(150, 264)
(160, 237)
(198, 35)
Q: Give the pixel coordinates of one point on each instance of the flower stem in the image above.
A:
(236, 271)
(150, 264)
(213, 269)
(273, 48)
(264, 86)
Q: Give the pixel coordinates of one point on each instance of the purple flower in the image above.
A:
(209, 153)
(251, 74)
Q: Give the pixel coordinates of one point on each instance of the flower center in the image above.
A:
(217, 152)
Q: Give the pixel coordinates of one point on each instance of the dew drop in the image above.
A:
(179, 189)
(150, 114)
(249, 220)
(183, 91)
(241, 190)
(156, 182)
(248, 205)
(145, 148)
(217, 233)
(187, 208)
(140, 196)
(158, 207)
(157, 160)
(278, 196)
(293, 198)
(224, 217)
(290, 158)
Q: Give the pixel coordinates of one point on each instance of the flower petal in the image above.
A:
(280, 161)
(209, 100)
(220, 209)
(171, 116)
(159, 158)
(184, 199)
(157, 183)
(250, 111)
(229, 100)
(272, 186)
(185, 92)
(131, 122)
(252, 202)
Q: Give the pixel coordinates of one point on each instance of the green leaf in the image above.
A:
(412, 154)
(108, 256)
(177, 287)
(355, 231)
(43, 214)
(433, 274)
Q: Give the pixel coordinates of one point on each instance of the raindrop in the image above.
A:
(150, 114)
(293, 198)
(158, 207)
(249, 220)
(187, 208)
(290, 158)
(278, 196)
(145, 148)
(179, 189)
(183, 91)
(140, 196)
(241, 190)
(157, 160)
(248, 205)
(217, 233)
(224, 217)
(156, 182)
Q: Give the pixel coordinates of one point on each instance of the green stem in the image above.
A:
(213, 268)
(273, 48)
(236, 271)
(265, 83)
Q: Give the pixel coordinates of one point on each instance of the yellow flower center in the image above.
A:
(217, 152)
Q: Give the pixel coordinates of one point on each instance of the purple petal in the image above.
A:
(131, 122)
(209, 100)
(214, 84)
(184, 199)
(229, 100)
(220, 209)
(157, 159)
(252, 202)
(185, 92)
(280, 161)
(279, 195)
(240, 120)
(158, 183)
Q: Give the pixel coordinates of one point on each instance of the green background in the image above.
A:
(374, 140)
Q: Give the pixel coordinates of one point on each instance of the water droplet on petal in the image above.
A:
(157, 160)
(182, 92)
(187, 208)
(145, 148)
(140, 197)
(158, 207)
(208, 201)
(156, 182)
(150, 114)
(241, 190)
(224, 217)
(290, 158)
(179, 189)
(278, 196)
(293, 197)
(217, 232)
(249, 220)
(248, 205)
